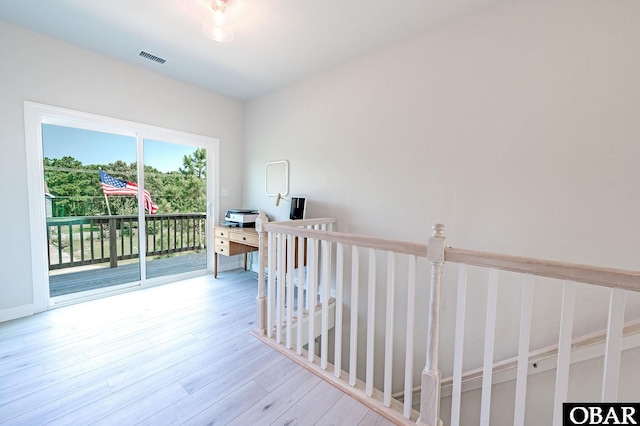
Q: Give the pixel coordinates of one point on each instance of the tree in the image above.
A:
(192, 180)
(78, 192)
(75, 188)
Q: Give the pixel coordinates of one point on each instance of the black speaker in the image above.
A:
(298, 208)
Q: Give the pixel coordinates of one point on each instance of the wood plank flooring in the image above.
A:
(73, 280)
(180, 353)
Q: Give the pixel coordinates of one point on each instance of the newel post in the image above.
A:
(430, 389)
(261, 301)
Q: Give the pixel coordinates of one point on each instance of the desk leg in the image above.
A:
(215, 265)
(245, 261)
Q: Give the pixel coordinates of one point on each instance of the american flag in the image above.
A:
(113, 186)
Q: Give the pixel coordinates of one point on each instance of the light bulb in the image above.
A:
(219, 17)
(218, 5)
(218, 33)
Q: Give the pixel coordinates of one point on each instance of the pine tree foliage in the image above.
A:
(76, 190)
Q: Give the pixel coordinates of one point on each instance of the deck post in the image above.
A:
(261, 301)
(430, 388)
(113, 243)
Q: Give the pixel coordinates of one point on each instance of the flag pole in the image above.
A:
(108, 207)
(105, 198)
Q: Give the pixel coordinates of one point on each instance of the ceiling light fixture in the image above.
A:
(216, 30)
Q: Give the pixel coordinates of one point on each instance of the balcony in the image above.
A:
(92, 252)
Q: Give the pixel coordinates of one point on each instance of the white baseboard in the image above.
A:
(17, 312)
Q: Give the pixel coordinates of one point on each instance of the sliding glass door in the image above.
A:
(115, 204)
(91, 209)
(176, 232)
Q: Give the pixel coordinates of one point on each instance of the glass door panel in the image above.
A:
(91, 209)
(175, 176)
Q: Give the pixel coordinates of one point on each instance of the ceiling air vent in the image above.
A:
(151, 57)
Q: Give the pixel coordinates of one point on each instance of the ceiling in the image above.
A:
(276, 42)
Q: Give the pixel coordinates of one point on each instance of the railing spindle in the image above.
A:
(461, 307)
(290, 287)
(131, 237)
(312, 296)
(59, 245)
(122, 223)
(155, 232)
(324, 342)
(371, 321)
(489, 343)
(93, 255)
(408, 362)
(280, 285)
(71, 243)
(182, 231)
(175, 233)
(564, 350)
(613, 347)
(271, 283)
(194, 233)
(337, 361)
(355, 284)
(526, 314)
(81, 243)
(102, 240)
(49, 244)
(388, 350)
(301, 290)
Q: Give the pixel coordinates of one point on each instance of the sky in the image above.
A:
(91, 147)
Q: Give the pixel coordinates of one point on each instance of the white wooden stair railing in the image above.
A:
(571, 277)
(384, 379)
(373, 382)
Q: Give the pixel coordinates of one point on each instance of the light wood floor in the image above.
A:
(180, 353)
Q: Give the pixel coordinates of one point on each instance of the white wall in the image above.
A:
(43, 70)
(518, 128)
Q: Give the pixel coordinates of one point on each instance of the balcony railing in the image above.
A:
(87, 240)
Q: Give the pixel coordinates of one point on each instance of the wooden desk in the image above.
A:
(233, 241)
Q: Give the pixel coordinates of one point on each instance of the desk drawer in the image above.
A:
(219, 242)
(222, 250)
(251, 240)
(230, 248)
(221, 232)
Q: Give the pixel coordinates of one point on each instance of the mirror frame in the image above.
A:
(273, 177)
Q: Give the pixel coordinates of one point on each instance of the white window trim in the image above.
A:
(34, 115)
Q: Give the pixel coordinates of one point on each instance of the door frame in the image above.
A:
(34, 115)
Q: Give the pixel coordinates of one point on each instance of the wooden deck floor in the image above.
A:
(73, 280)
(180, 353)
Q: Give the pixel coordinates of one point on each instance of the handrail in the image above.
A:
(607, 277)
(102, 239)
(327, 254)
(306, 222)
(403, 247)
